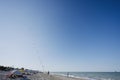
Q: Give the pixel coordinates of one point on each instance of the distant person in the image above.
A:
(67, 74)
(48, 73)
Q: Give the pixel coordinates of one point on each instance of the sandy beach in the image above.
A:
(40, 76)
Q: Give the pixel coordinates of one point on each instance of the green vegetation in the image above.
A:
(4, 68)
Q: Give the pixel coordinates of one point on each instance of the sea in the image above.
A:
(92, 75)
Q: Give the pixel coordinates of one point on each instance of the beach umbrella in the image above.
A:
(16, 72)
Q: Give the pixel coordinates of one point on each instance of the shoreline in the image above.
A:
(63, 77)
(70, 76)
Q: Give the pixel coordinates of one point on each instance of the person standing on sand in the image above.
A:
(67, 74)
(48, 72)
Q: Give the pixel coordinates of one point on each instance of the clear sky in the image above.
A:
(60, 35)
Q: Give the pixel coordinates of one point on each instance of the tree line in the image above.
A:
(5, 68)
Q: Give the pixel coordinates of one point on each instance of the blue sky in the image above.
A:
(60, 35)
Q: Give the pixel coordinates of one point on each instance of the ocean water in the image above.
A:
(93, 75)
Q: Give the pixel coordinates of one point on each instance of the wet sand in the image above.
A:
(41, 76)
